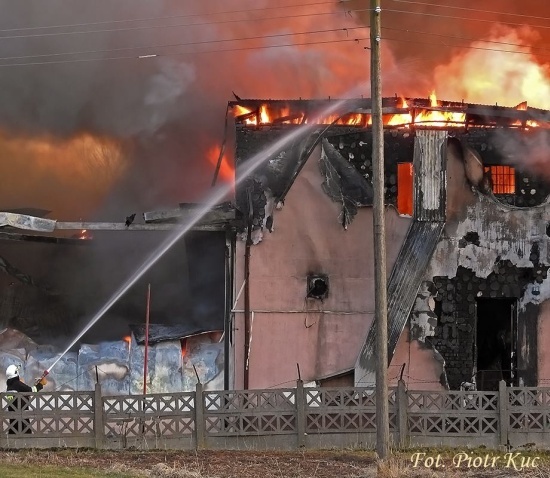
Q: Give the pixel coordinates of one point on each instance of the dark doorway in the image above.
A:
(496, 339)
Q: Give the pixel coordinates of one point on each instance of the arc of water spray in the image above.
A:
(212, 199)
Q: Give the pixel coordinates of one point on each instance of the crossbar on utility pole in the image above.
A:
(379, 232)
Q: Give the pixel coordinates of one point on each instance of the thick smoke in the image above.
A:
(159, 117)
(438, 45)
(170, 108)
(103, 139)
(529, 152)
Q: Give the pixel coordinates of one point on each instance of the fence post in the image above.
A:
(402, 414)
(200, 425)
(99, 428)
(503, 412)
(300, 414)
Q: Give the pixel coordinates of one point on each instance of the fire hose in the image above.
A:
(42, 377)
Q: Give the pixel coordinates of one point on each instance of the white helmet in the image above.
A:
(12, 371)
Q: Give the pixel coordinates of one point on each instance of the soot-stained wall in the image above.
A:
(346, 164)
(356, 147)
(522, 149)
(323, 337)
(456, 309)
(493, 247)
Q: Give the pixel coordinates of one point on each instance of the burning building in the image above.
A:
(467, 223)
(53, 286)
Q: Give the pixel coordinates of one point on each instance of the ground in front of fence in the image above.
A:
(275, 464)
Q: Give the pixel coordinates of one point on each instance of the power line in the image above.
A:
(168, 17)
(519, 45)
(344, 29)
(133, 57)
(468, 19)
(170, 45)
(259, 37)
(149, 27)
(460, 46)
(477, 10)
(357, 40)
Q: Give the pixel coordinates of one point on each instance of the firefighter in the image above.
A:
(19, 404)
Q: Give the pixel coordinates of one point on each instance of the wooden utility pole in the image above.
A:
(379, 231)
(146, 350)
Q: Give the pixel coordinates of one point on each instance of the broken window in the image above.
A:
(405, 188)
(503, 179)
(495, 344)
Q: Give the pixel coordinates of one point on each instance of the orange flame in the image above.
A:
(85, 234)
(411, 113)
(428, 116)
(529, 123)
(226, 172)
(127, 339)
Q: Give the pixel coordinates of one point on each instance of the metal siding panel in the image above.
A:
(417, 249)
(430, 175)
(403, 286)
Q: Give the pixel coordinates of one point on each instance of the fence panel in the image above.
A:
(48, 418)
(528, 415)
(166, 416)
(251, 412)
(342, 410)
(274, 418)
(444, 415)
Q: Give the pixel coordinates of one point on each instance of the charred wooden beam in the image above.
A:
(14, 236)
(476, 114)
(252, 115)
(120, 226)
(293, 117)
(221, 214)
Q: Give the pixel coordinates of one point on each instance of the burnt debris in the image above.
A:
(344, 183)
(130, 219)
(457, 300)
(469, 238)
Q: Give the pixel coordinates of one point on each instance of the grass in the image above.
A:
(46, 471)
(349, 463)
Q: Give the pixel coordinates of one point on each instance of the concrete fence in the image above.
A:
(275, 419)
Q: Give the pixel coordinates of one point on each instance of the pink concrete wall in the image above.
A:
(422, 370)
(288, 330)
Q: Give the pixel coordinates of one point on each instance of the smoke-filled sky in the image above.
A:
(155, 118)
(102, 115)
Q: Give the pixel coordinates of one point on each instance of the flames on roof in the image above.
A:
(397, 112)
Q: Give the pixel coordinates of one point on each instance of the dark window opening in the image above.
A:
(495, 344)
(503, 179)
(317, 286)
